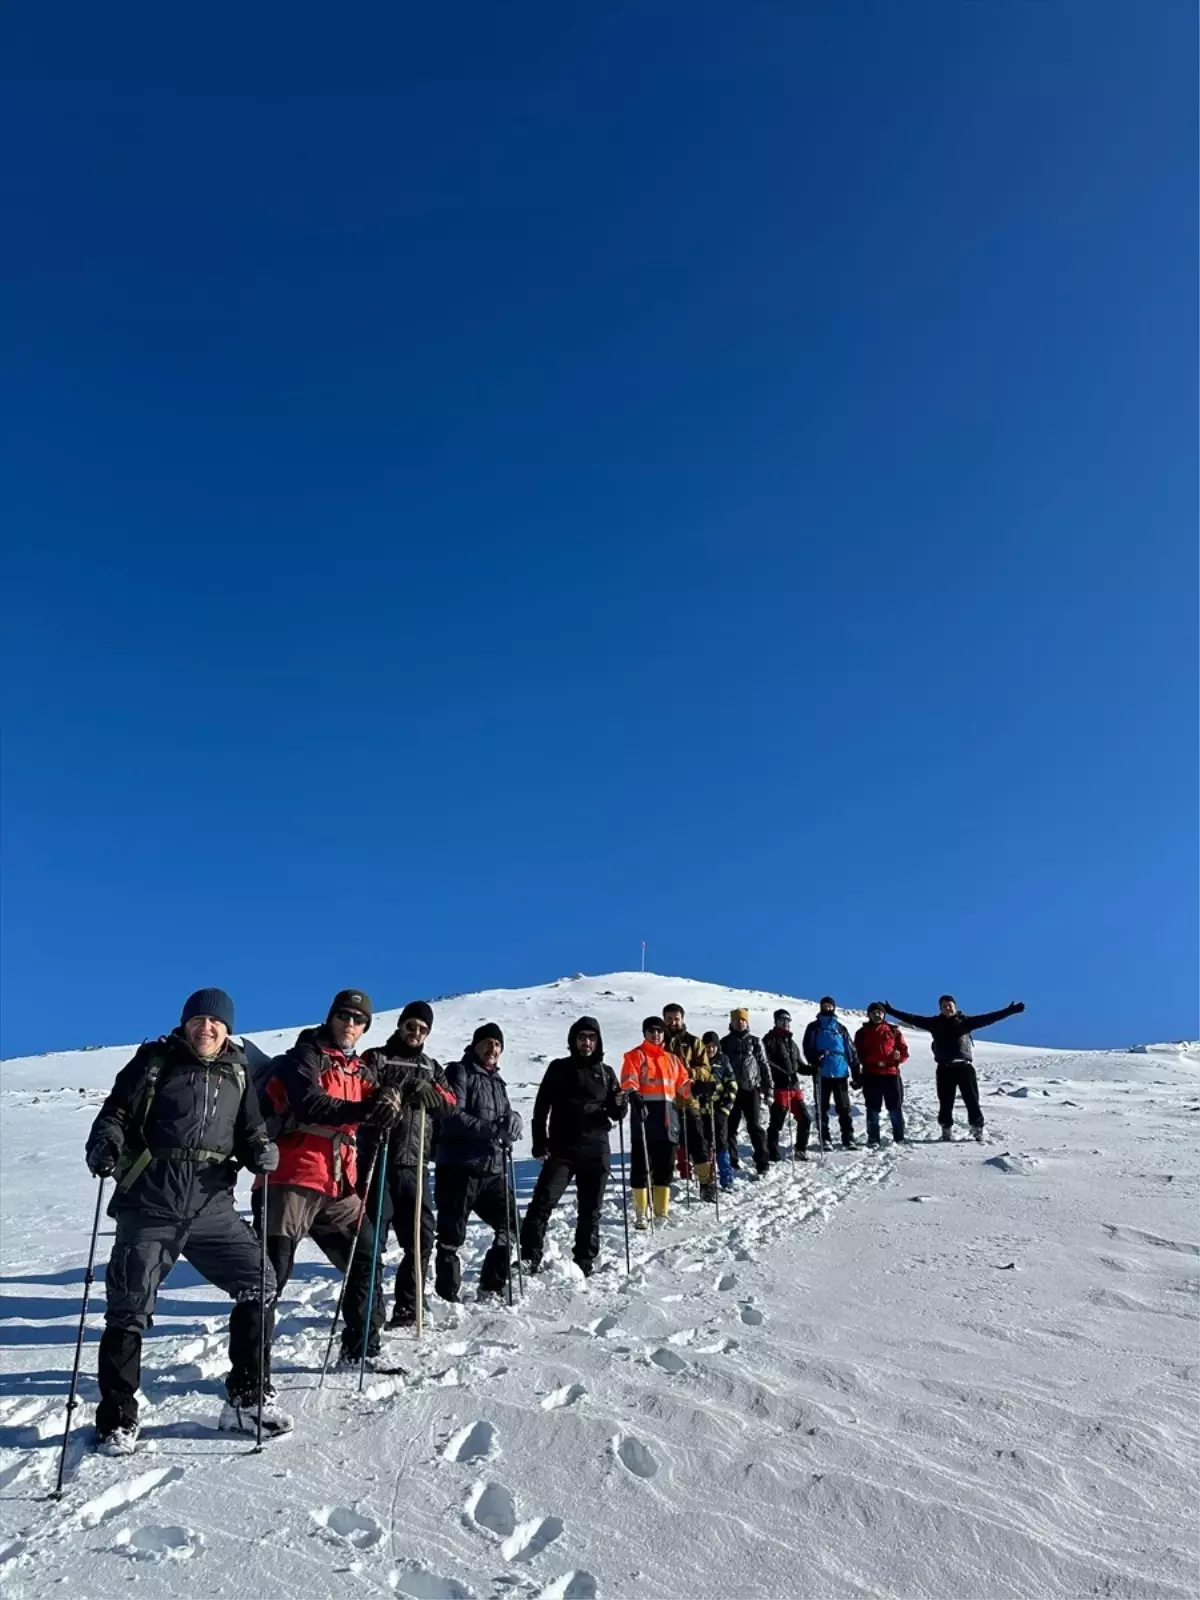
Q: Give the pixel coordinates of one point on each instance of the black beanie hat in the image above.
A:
(420, 1009)
(488, 1030)
(208, 1003)
(828, 1000)
(352, 1000)
(653, 1022)
(711, 1037)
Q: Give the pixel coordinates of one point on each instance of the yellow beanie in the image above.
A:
(739, 1014)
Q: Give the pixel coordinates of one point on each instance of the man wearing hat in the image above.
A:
(745, 1054)
(829, 1050)
(402, 1062)
(787, 1098)
(317, 1097)
(658, 1088)
(181, 1117)
(472, 1144)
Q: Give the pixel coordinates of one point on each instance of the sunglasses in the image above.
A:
(352, 1016)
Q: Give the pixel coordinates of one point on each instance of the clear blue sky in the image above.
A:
(486, 484)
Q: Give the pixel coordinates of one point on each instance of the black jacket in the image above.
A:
(470, 1135)
(952, 1035)
(750, 1068)
(170, 1102)
(578, 1098)
(397, 1063)
(784, 1059)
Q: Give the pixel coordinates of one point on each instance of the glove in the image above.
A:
(1017, 1006)
(540, 1152)
(102, 1156)
(513, 1127)
(386, 1109)
(856, 1082)
(620, 1105)
(425, 1095)
(264, 1157)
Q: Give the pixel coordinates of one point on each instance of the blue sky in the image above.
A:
(487, 485)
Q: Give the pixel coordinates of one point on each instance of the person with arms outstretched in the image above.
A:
(953, 1052)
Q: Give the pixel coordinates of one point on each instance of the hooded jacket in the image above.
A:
(472, 1132)
(749, 1062)
(658, 1079)
(784, 1059)
(881, 1048)
(197, 1119)
(828, 1045)
(397, 1064)
(321, 1094)
(576, 1105)
(952, 1035)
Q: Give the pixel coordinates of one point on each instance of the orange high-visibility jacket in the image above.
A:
(660, 1078)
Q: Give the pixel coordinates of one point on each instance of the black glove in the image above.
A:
(1017, 1006)
(540, 1152)
(513, 1127)
(102, 1156)
(620, 1105)
(387, 1108)
(264, 1157)
(425, 1095)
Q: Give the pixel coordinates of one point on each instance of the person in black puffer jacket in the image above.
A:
(403, 1063)
(472, 1142)
(181, 1117)
(954, 1055)
(745, 1053)
(577, 1104)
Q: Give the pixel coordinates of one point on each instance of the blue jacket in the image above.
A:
(828, 1045)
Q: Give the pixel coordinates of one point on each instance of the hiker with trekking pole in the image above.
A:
(404, 1063)
(318, 1094)
(657, 1085)
(474, 1142)
(181, 1118)
(578, 1103)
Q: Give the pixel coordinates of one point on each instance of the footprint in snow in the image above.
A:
(347, 1526)
(752, 1316)
(491, 1506)
(578, 1585)
(566, 1396)
(634, 1456)
(529, 1539)
(603, 1326)
(727, 1281)
(476, 1442)
(668, 1361)
(420, 1584)
(159, 1544)
(118, 1496)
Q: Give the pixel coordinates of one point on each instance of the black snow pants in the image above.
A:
(222, 1249)
(958, 1076)
(461, 1192)
(749, 1105)
(883, 1089)
(589, 1168)
(400, 1213)
(837, 1090)
(785, 1103)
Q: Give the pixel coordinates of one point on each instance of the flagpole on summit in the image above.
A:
(643, 955)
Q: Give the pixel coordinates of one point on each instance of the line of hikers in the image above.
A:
(346, 1140)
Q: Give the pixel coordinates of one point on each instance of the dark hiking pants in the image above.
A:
(222, 1249)
(837, 1090)
(462, 1192)
(883, 1089)
(958, 1076)
(590, 1171)
(749, 1105)
(785, 1103)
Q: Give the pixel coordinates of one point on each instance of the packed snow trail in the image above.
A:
(927, 1370)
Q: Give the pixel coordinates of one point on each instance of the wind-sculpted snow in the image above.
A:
(932, 1370)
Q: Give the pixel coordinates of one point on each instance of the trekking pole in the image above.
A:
(337, 1312)
(262, 1313)
(649, 1185)
(376, 1268)
(418, 1258)
(516, 1214)
(507, 1221)
(716, 1165)
(624, 1193)
(88, 1279)
(687, 1157)
(819, 1108)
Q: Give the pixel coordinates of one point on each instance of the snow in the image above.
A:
(939, 1370)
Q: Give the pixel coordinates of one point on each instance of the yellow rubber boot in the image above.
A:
(662, 1199)
(641, 1205)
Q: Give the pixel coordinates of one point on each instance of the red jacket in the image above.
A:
(324, 1095)
(881, 1048)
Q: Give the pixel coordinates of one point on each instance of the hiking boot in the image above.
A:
(403, 1317)
(239, 1414)
(945, 1135)
(977, 1135)
(708, 1193)
(120, 1440)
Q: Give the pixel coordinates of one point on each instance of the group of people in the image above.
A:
(341, 1143)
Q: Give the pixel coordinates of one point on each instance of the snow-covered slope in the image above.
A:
(952, 1371)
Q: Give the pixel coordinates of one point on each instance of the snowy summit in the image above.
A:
(931, 1369)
